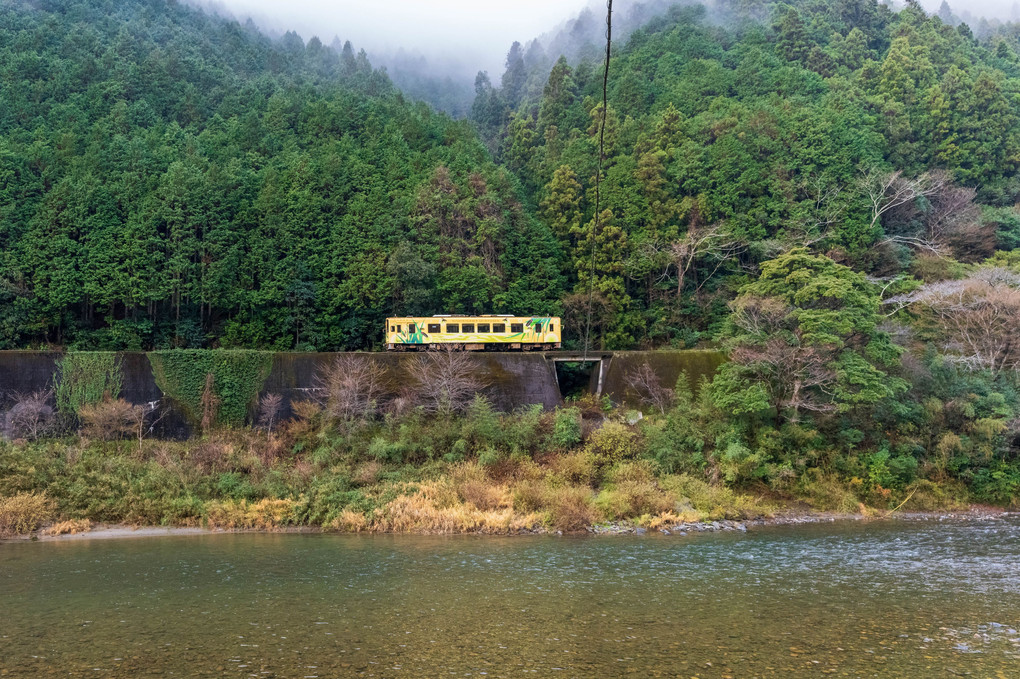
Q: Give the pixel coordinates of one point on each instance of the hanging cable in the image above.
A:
(598, 174)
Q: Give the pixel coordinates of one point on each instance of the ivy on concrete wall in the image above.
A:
(84, 377)
(237, 379)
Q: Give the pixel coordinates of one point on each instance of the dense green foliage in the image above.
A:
(764, 127)
(212, 387)
(172, 179)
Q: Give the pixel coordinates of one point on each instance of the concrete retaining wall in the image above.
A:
(512, 380)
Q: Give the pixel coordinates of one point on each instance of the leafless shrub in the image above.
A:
(445, 381)
(269, 410)
(112, 419)
(209, 455)
(351, 387)
(307, 417)
(647, 386)
(31, 416)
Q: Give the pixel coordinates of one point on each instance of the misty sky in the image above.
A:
(478, 31)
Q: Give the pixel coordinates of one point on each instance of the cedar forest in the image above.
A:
(826, 190)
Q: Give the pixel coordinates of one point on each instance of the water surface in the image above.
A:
(911, 599)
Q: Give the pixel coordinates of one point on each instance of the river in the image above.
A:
(879, 599)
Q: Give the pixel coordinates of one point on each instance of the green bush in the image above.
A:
(611, 443)
(522, 431)
(566, 428)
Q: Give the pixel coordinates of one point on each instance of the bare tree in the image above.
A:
(796, 377)
(445, 381)
(712, 243)
(887, 191)
(946, 221)
(978, 318)
(351, 387)
(649, 388)
(269, 410)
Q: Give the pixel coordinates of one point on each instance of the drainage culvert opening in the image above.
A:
(577, 378)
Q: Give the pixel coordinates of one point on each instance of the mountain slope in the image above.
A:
(176, 179)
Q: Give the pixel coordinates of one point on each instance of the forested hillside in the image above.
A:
(173, 179)
(738, 132)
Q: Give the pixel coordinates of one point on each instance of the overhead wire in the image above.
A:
(598, 174)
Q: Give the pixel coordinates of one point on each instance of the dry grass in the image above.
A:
(475, 487)
(71, 527)
(350, 521)
(571, 509)
(24, 513)
(667, 519)
(240, 514)
(436, 508)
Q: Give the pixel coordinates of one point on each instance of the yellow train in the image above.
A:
(473, 333)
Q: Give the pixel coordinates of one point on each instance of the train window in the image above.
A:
(499, 327)
(393, 328)
(469, 327)
(538, 328)
(453, 327)
(483, 327)
(398, 329)
(552, 328)
(410, 328)
(516, 327)
(433, 327)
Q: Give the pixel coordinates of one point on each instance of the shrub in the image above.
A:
(570, 508)
(576, 468)
(567, 427)
(242, 514)
(522, 431)
(611, 443)
(481, 425)
(24, 513)
(112, 419)
(31, 417)
(382, 450)
(367, 473)
(631, 491)
(711, 501)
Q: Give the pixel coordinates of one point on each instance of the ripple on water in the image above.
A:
(880, 599)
